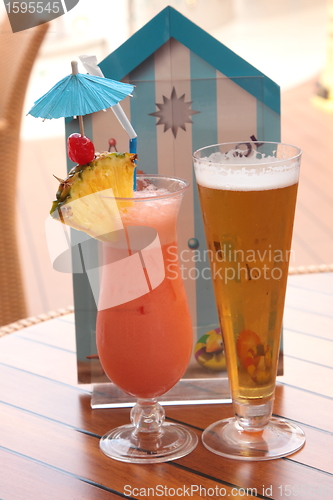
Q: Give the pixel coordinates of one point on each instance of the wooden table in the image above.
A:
(49, 436)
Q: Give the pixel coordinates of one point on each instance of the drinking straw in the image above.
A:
(132, 149)
(90, 64)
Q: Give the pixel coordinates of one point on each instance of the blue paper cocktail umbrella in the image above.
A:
(78, 95)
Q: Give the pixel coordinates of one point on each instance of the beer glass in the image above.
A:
(248, 195)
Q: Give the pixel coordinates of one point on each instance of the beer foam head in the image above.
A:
(236, 172)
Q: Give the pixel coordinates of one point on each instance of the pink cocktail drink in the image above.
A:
(150, 336)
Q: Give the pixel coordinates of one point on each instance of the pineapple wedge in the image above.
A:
(85, 200)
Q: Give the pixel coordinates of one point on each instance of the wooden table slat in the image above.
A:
(79, 455)
(50, 434)
(41, 359)
(37, 482)
(71, 405)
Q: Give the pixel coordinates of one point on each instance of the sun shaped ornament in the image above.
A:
(174, 113)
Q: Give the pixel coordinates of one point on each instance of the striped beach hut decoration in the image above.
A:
(190, 91)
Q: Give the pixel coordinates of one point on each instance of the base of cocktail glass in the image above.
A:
(172, 442)
(148, 439)
(278, 438)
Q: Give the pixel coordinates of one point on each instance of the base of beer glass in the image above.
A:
(174, 441)
(277, 439)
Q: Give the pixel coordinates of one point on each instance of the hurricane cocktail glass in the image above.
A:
(248, 194)
(144, 331)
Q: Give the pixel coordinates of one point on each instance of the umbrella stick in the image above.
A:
(75, 68)
(81, 125)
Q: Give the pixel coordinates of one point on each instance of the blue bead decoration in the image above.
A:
(193, 243)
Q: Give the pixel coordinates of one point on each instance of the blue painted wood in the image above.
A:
(170, 23)
(268, 123)
(204, 131)
(139, 47)
(142, 103)
(84, 302)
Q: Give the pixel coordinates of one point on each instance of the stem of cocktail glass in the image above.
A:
(147, 416)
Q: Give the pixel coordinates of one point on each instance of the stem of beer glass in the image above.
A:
(253, 417)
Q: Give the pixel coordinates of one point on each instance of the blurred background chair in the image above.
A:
(18, 52)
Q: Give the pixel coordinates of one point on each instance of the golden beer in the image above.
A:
(247, 194)
(249, 236)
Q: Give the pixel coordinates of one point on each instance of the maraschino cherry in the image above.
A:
(80, 149)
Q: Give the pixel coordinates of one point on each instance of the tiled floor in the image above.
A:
(292, 60)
